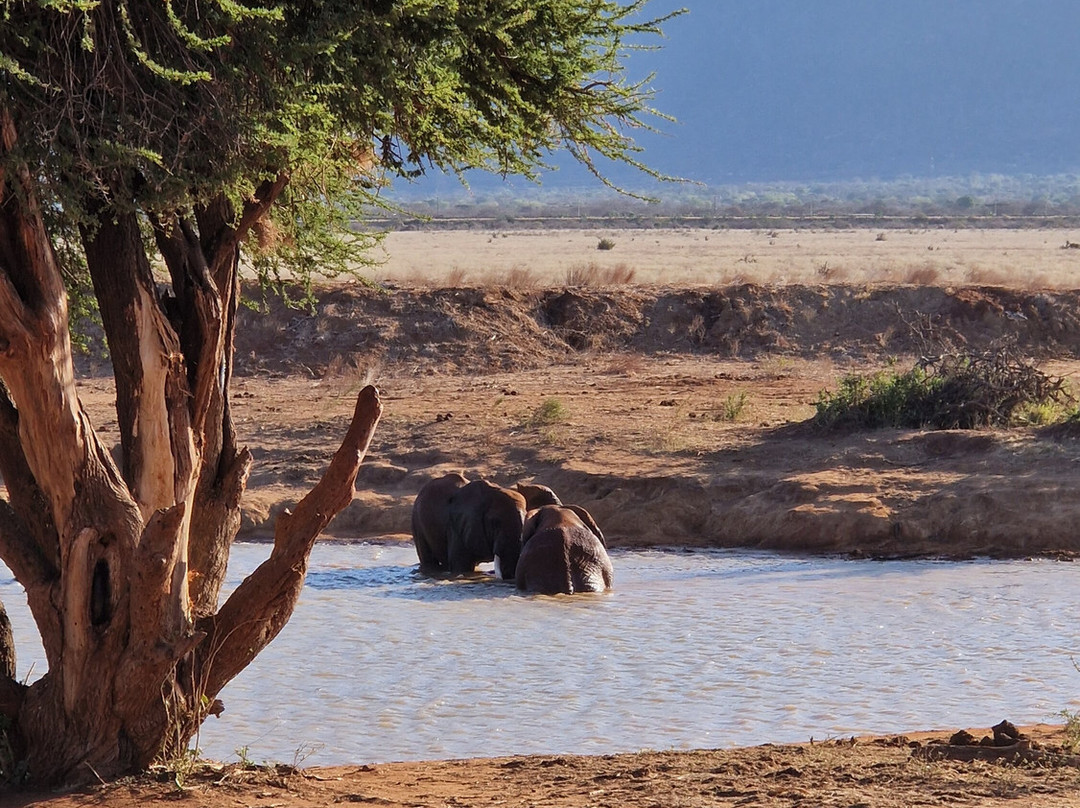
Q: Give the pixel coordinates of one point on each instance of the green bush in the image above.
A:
(880, 400)
(549, 411)
(949, 391)
(731, 407)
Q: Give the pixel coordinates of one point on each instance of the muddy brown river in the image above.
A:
(692, 649)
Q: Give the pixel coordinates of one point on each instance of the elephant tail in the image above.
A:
(568, 565)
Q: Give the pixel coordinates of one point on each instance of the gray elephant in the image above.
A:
(560, 554)
(430, 519)
(536, 496)
(484, 524)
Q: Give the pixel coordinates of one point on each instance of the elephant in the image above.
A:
(484, 524)
(430, 516)
(536, 496)
(560, 554)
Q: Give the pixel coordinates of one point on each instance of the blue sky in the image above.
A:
(835, 90)
(784, 89)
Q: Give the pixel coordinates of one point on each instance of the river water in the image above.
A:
(692, 649)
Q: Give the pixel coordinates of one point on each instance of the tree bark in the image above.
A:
(123, 565)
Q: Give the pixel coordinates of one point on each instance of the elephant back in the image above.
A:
(430, 518)
(536, 495)
(561, 554)
(485, 521)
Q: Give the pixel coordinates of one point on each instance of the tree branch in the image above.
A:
(35, 346)
(259, 608)
(151, 386)
(254, 209)
(43, 284)
(204, 315)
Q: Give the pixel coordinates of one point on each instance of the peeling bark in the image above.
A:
(156, 437)
(123, 565)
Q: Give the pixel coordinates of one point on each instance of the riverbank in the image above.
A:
(677, 417)
(877, 772)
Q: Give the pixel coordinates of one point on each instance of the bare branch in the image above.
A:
(259, 608)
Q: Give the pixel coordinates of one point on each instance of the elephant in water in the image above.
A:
(484, 524)
(456, 524)
(560, 554)
(536, 496)
(430, 517)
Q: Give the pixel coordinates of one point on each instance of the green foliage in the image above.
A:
(549, 412)
(948, 391)
(244, 756)
(180, 768)
(166, 107)
(1043, 413)
(605, 244)
(879, 400)
(1072, 731)
(731, 407)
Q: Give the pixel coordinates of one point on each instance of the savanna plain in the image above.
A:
(667, 380)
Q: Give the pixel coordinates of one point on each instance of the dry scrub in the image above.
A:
(687, 257)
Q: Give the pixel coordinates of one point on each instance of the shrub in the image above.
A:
(592, 274)
(731, 407)
(881, 400)
(605, 244)
(1072, 730)
(549, 411)
(948, 391)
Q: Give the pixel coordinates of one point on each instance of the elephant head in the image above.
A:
(484, 524)
(537, 496)
(561, 554)
(430, 515)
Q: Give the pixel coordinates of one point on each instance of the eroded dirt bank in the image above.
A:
(481, 330)
(681, 412)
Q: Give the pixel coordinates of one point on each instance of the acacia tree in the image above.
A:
(143, 146)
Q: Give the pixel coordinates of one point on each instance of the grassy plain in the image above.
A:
(687, 257)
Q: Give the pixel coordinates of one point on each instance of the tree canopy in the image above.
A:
(163, 106)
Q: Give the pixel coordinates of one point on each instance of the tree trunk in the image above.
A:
(123, 565)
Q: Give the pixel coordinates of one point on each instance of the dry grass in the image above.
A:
(527, 259)
(593, 274)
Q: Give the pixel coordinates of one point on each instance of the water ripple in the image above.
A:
(692, 649)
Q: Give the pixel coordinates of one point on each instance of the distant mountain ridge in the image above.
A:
(840, 90)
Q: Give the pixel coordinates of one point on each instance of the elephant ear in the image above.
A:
(590, 523)
(532, 525)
